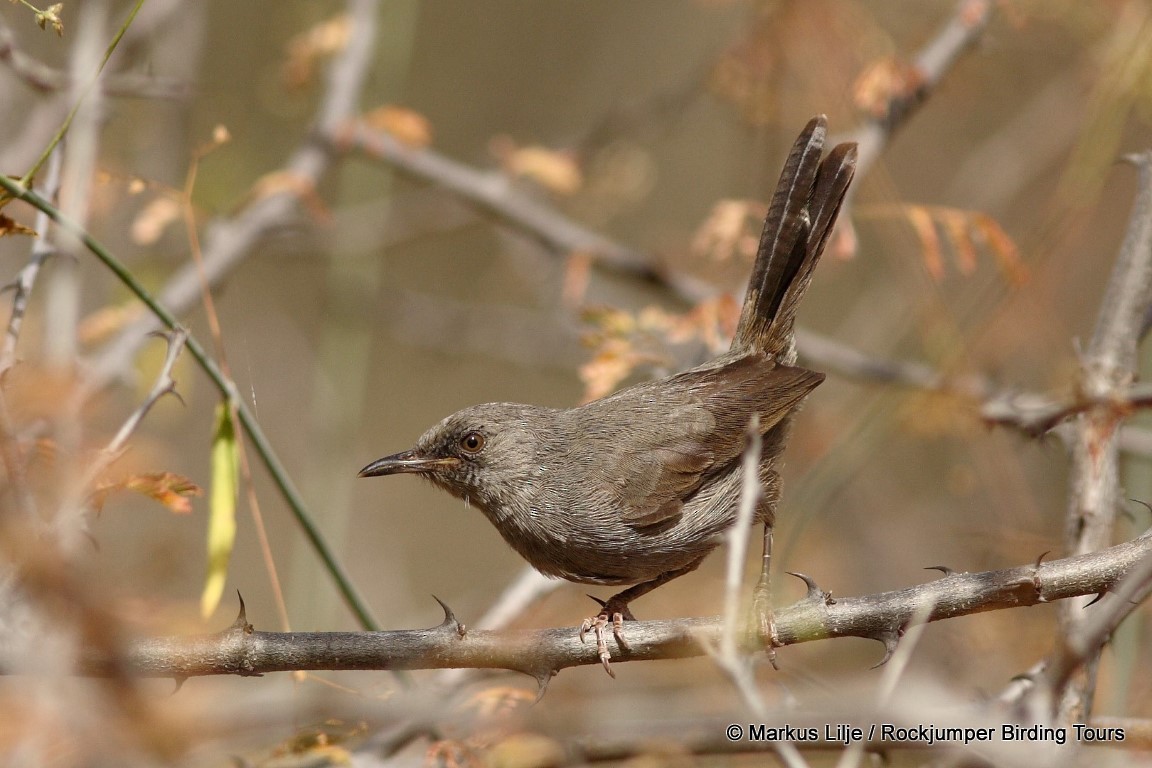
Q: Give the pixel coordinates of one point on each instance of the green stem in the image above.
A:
(279, 475)
(26, 179)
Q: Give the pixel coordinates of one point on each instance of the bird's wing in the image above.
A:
(697, 429)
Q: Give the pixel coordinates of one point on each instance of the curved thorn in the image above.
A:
(449, 617)
(241, 622)
(172, 391)
(890, 640)
(814, 591)
(542, 680)
(179, 684)
(942, 568)
(1144, 504)
(1040, 559)
(1098, 598)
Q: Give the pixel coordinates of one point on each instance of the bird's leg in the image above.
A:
(762, 600)
(615, 611)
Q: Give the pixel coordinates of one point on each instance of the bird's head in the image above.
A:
(486, 454)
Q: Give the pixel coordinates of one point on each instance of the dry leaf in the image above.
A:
(731, 228)
(966, 233)
(888, 80)
(172, 490)
(154, 218)
(577, 271)
(307, 48)
(526, 750)
(99, 325)
(11, 227)
(50, 17)
(555, 170)
(279, 182)
(921, 221)
(407, 126)
(499, 700)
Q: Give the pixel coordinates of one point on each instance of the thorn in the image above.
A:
(890, 640)
(1098, 598)
(449, 618)
(942, 568)
(241, 622)
(814, 591)
(601, 603)
(172, 391)
(1040, 559)
(542, 681)
(179, 684)
(1144, 504)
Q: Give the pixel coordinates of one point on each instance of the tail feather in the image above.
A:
(799, 223)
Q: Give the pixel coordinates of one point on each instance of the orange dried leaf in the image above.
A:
(154, 218)
(576, 274)
(613, 363)
(552, 169)
(104, 322)
(11, 227)
(172, 490)
(306, 49)
(499, 701)
(726, 230)
(286, 182)
(921, 221)
(957, 225)
(888, 79)
(407, 126)
(1003, 248)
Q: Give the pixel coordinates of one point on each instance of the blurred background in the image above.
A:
(979, 242)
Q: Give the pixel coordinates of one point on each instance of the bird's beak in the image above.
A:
(406, 462)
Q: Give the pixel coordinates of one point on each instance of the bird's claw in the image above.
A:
(596, 625)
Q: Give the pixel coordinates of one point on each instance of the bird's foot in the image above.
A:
(612, 614)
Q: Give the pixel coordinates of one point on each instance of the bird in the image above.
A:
(638, 487)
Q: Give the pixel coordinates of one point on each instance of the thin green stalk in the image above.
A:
(26, 179)
(279, 475)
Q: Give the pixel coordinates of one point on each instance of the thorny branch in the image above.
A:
(1108, 368)
(241, 650)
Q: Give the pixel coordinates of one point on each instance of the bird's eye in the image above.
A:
(472, 442)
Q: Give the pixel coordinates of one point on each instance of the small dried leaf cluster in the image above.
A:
(625, 344)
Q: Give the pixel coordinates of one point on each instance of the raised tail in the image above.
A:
(799, 222)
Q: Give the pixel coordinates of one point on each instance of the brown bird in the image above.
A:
(638, 487)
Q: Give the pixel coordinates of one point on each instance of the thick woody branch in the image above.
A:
(240, 650)
(1107, 371)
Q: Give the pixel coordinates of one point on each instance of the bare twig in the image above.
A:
(42, 249)
(541, 653)
(729, 654)
(164, 385)
(228, 242)
(929, 67)
(493, 192)
(46, 79)
(207, 364)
